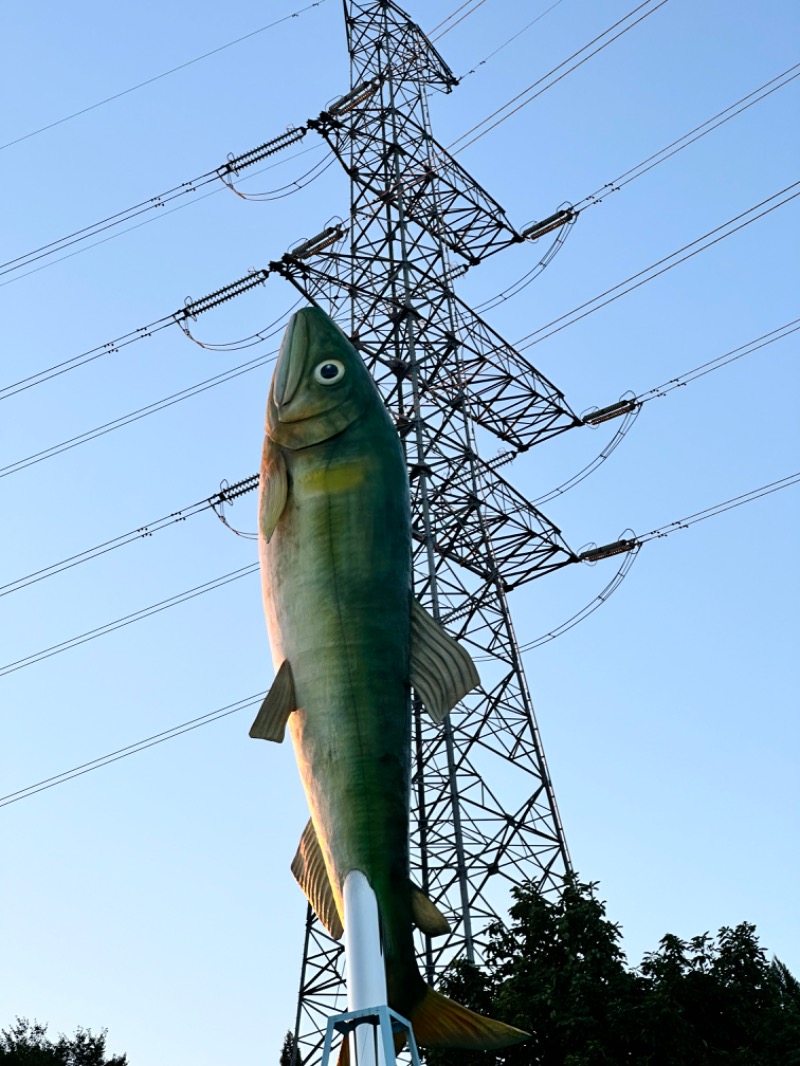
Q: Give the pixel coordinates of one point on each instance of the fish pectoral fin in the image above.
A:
(308, 867)
(427, 916)
(274, 490)
(273, 714)
(442, 672)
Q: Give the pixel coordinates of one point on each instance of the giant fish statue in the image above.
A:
(348, 640)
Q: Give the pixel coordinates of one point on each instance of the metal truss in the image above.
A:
(483, 811)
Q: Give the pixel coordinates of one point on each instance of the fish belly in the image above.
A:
(337, 596)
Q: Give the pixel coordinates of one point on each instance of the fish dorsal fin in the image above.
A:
(427, 916)
(273, 714)
(274, 489)
(308, 867)
(441, 670)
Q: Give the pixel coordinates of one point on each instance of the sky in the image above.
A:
(153, 896)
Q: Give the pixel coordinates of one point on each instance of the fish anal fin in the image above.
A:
(442, 671)
(441, 1022)
(273, 714)
(274, 489)
(427, 916)
(308, 867)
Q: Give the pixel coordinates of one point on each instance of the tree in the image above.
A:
(559, 972)
(26, 1043)
(290, 1056)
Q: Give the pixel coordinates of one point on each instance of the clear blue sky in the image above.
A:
(154, 896)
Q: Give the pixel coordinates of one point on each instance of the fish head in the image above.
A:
(320, 385)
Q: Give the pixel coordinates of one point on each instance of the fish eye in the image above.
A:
(329, 372)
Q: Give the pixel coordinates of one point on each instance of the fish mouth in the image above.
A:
(291, 360)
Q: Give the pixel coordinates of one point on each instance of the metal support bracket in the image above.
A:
(385, 1023)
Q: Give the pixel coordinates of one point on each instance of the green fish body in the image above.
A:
(348, 640)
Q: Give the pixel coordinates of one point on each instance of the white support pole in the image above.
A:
(366, 974)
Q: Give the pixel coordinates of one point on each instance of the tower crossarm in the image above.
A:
(492, 383)
(470, 504)
(437, 192)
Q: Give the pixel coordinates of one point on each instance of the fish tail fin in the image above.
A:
(437, 1021)
(441, 1022)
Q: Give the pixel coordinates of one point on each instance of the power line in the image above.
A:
(130, 749)
(555, 70)
(629, 409)
(232, 492)
(509, 40)
(476, 4)
(635, 281)
(232, 708)
(191, 310)
(191, 187)
(731, 111)
(644, 167)
(235, 575)
(631, 406)
(233, 166)
(128, 619)
(598, 601)
(778, 334)
(720, 508)
(135, 416)
(109, 348)
(156, 203)
(631, 414)
(649, 163)
(631, 547)
(187, 187)
(159, 77)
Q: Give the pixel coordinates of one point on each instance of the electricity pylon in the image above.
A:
(483, 810)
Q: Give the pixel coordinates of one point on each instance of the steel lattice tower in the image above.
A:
(483, 810)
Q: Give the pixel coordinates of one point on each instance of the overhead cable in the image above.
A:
(696, 134)
(720, 508)
(623, 546)
(131, 749)
(188, 187)
(602, 597)
(509, 40)
(778, 334)
(128, 619)
(43, 255)
(629, 548)
(661, 266)
(607, 33)
(191, 309)
(163, 74)
(234, 165)
(630, 416)
(626, 407)
(229, 493)
(475, 5)
(232, 708)
(142, 412)
(600, 195)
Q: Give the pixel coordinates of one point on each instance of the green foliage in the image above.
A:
(26, 1044)
(558, 971)
(289, 1057)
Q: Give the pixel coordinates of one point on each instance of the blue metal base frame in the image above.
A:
(385, 1023)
